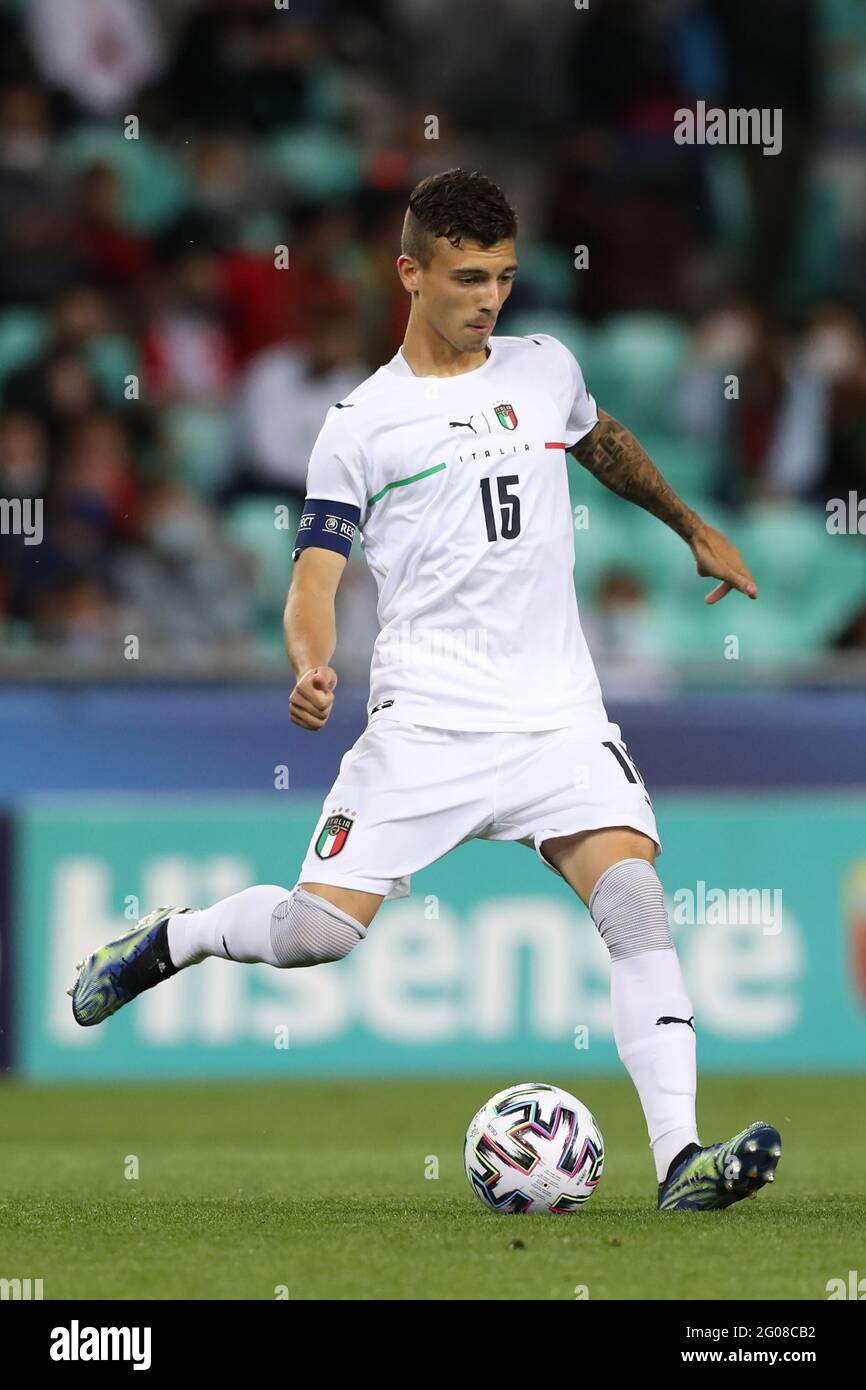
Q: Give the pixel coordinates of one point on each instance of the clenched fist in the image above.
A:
(312, 698)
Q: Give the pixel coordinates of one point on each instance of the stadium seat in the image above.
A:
(17, 636)
(328, 95)
(155, 182)
(111, 358)
(788, 544)
(23, 333)
(836, 589)
(566, 327)
(690, 464)
(626, 536)
(816, 261)
(809, 583)
(630, 539)
(636, 367)
(268, 633)
(731, 200)
(547, 273)
(676, 628)
(250, 523)
(199, 440)
(766, 630)
(600, 540)
(316, 163)
(685, 628)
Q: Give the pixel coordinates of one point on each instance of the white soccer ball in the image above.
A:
(534, 1148)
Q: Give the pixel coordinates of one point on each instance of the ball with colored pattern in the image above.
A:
(534, 1147)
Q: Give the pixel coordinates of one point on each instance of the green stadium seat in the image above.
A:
(260, 232)
(548, 273)
(637, 363)
(786, 544)
(566, 327)
(23, 334)
(765, 629)
(731, 200)
(624, 535)
(688, 463)
(199, 440)
(679, 631)
(842, 20)
(17, 636)
(111, 358)
(842, 26)
(251, 523)
(155, 182)
(688, 628)
(837, 589)
(599, 544)
(268, 633)
(316, 162)
(816, 261)
(328, 95)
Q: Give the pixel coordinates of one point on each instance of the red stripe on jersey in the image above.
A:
(554, 446)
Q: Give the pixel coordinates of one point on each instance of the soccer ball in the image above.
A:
(534, 1148)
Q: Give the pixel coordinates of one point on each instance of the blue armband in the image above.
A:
(329, 525)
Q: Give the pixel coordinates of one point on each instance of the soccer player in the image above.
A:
(485, 717)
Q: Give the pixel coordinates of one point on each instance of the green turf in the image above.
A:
(321, 1187)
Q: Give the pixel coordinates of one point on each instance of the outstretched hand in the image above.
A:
(719, 558)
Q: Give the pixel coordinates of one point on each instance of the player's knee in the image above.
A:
(308, 930)
(628, 907)
(360, 905)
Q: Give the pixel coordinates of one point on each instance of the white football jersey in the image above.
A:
(459, 486)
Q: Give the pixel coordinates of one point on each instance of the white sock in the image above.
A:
(659, 1057)
(236, 928)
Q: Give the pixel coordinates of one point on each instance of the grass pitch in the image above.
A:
(320, 1187)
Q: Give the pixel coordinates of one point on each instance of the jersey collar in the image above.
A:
(400, 367)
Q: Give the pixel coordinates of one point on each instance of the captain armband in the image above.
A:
(329, 525)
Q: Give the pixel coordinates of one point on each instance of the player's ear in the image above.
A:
(408, 270)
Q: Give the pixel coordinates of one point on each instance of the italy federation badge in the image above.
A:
(333, 836)
(505, 415)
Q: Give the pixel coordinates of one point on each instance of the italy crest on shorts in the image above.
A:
(333, 836)
(505, 415)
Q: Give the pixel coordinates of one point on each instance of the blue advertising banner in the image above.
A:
(491, 963)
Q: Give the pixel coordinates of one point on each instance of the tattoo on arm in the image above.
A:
(612, 454)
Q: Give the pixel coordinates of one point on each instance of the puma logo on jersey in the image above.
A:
(666, 1019)
(452, 424)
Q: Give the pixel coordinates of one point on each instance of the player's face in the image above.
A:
(463, 289)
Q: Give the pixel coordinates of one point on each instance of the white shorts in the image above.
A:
(408, 793)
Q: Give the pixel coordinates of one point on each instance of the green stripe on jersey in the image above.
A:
(404, 482)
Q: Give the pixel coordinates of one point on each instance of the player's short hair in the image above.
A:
(458, 204)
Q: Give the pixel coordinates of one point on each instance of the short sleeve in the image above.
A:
(335, 499)
(336, 468)
(579, 410)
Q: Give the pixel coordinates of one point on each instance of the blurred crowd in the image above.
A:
(200, 209)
